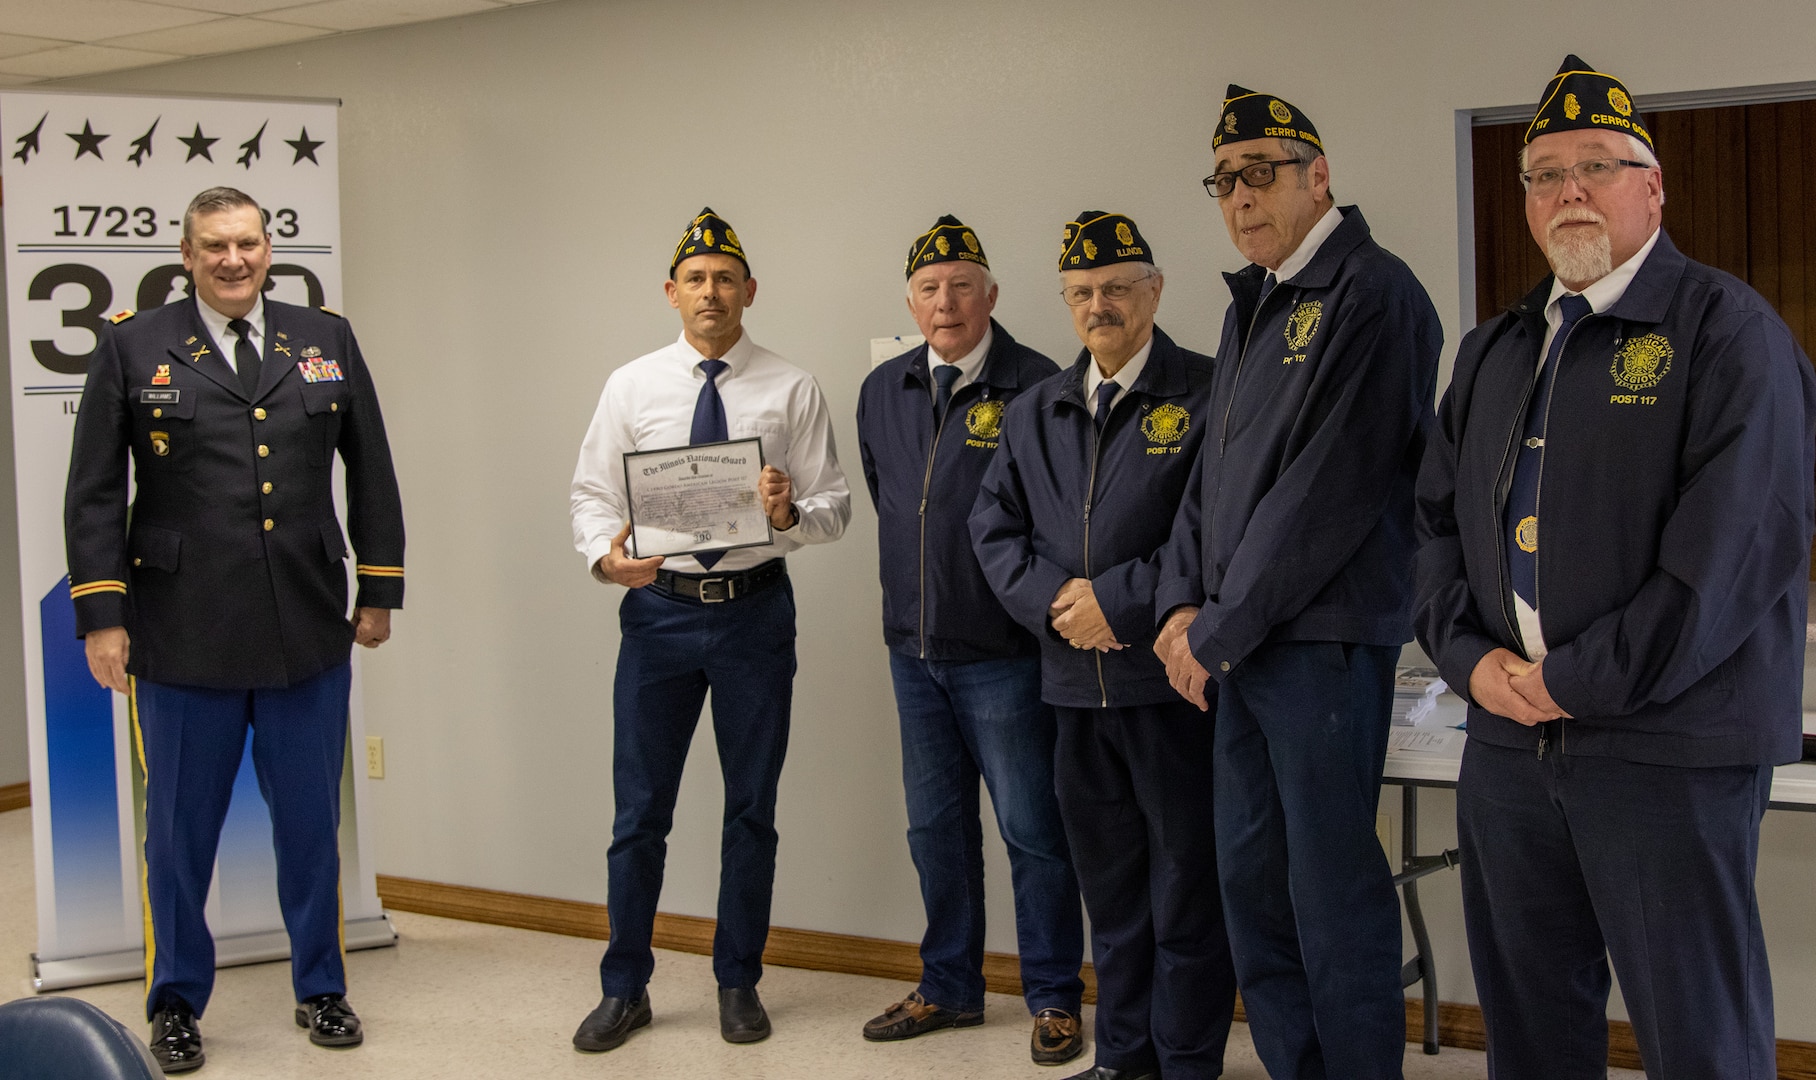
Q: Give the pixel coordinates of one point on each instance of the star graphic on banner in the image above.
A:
(198, 145)
(142, 145)
(28, 142)
(304, 147)
(88, 142)
(251, 146)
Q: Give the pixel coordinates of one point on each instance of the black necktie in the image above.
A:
(945, 375)
(1106, 393)
(1522, 514)
(1267, 286)
(245, 357)
(709, 426)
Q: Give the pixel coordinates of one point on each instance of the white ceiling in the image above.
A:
(58, 39)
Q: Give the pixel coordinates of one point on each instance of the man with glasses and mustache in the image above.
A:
(966, 675)
(1615, 518)
(1287, 589)
(720, 620)
(1067, 527)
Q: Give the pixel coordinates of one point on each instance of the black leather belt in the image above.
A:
(718, 588)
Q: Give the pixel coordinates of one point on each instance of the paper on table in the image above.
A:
(1423, 740)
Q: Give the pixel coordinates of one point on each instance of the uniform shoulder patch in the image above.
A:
(121, 316)
(333, 312)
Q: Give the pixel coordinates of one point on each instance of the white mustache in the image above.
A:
(1104, 318)
(1574, 213)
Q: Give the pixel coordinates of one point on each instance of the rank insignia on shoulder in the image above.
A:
(333, 312)
(121, 316)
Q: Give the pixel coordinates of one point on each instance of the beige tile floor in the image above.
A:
(456, 1000)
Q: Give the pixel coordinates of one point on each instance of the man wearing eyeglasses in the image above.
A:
(1615, 518)
(1287, 590)
(1067, 527)
(966, 675)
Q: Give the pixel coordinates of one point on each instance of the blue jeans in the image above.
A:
(1307, 893)
(960, 721)
(673, 651)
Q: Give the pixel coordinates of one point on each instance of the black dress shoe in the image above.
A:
(611, 1022)
(1058, 1037)
(741, 1016)
(176, 1040)
(330, 1021)
(1102, 1072)
(915, 1015)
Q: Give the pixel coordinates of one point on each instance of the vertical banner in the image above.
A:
(95, 187)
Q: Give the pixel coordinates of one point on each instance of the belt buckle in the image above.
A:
(729, 591)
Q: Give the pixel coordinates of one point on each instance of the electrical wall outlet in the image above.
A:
(375, 757)
(1384, 832)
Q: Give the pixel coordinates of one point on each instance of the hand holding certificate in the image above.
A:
(692, 499)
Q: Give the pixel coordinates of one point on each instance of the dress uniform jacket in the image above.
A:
(924, 480)
(1300, 525)
(1677, 514)
(1055, 505)
(228, 570)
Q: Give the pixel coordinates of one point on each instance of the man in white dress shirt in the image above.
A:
(722, 620)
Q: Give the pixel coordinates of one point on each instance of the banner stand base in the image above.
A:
(374, 933)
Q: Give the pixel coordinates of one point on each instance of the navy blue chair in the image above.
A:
(63, 1038)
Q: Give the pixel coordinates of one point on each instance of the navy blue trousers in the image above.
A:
(1571, 861)
(1314, 921)
(1135, 792)
(191, 741)
(962, 721)
(673, 651)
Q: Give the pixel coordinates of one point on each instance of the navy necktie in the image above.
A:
(1522, 514)
(709, 426)
(1267, 286)
(1106, 393)
(245, 357)
(945, 375)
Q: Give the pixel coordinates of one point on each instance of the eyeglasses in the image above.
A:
(1594, 173)
(1080, 295)
(1258, 175)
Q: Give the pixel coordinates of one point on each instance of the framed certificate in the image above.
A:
(690, 499)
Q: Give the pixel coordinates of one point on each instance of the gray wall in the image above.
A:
(514, 183)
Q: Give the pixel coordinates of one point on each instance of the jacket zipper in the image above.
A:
(1103, 688)
(926, 487)
(1223, 437)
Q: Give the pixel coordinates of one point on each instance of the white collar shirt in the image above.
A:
(1124, 379)
(648, 404)
(968, 365)
(1307, 250)
(224, 337)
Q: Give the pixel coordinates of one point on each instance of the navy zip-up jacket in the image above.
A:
(1299, 526)
(936, 604)
(1055, 506)
(1676, 505)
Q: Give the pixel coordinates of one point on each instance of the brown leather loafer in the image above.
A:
(1058, 1037)
(914, 1015)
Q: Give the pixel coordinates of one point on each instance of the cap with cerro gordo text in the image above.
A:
(708, 234)
(1580, 97)
(1248, 115)
(948, 241)
(1095, 238)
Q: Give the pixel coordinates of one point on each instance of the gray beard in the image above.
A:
(1581, 260)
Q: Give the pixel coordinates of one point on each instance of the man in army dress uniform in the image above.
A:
(218, 600)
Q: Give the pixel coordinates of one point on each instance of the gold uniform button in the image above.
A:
(258, 414)
(157, 413)
(269, 524)
(334, 406)
(267, 488)
(138, 562)
(1225, 666)
(264, 451)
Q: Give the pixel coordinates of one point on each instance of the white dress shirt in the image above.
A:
(1308, 248)
(224, 337)
(648, 404)
(968, 365)
(1602, 294)
(1125, 377)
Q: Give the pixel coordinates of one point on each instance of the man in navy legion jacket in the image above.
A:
(218, 601)
(1289, 582)
(967, 676)
(1615, 519)
(1068, 528)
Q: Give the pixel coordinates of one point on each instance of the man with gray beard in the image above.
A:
(1614, 519)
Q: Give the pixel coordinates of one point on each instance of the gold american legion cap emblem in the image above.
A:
(1302, 324)
(1278, 110)
(1167, 424)
(985, 419)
